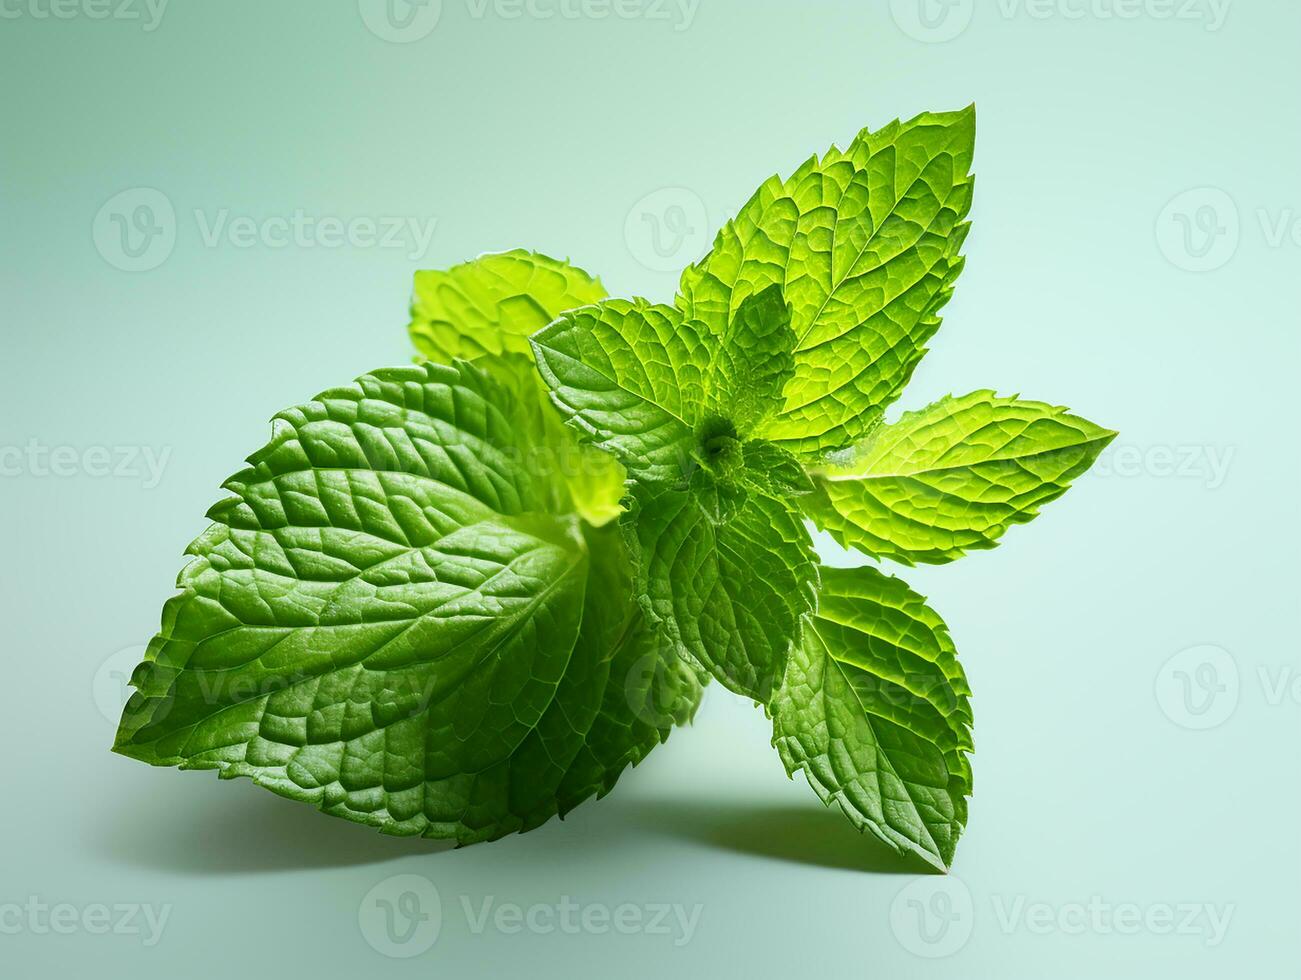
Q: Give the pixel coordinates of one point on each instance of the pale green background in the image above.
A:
(547, 133)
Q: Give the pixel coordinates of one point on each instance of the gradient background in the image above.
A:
(1098, 777)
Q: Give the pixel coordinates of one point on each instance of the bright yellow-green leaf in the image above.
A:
(484, 310)
(492, 304)
(865, 245)
(953, 477)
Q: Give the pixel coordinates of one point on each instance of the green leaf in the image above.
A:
(395, 618)
(492, 304)
(752, 362)
(662, 393)
(649, 689)
(623, 692)
(594, 479)
(865, 244)
(484, 310)
(953, 477)
(728, 594)
(774, 470)
(874, 709)
(631, 376)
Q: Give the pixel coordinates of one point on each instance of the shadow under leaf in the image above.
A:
(811, 835)
(235, 827)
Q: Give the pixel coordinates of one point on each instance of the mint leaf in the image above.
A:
(874, 709)
(631, 376)
(593, 479)
(661, 393)
(954, 477)
(416, 610)
(753, 361)
(728, 594)
(484, 310)
(774, 470)
(395, 618)
(490, 306)
(865, 244)
(648, 689)
(622, 693)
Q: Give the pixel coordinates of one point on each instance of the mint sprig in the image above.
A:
(458, 599)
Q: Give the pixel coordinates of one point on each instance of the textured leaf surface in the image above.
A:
(394, 618)
(484, 310)
(954, 477)
(729, 595)
(492, 304)
(648, 689)
(551, 450)
(865, 244)
(874, 709)
(774, 470)
(623, 692)
(753, 361)
(632, 376)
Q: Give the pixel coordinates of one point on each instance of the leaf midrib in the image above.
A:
(876, 745)
(832, 477)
